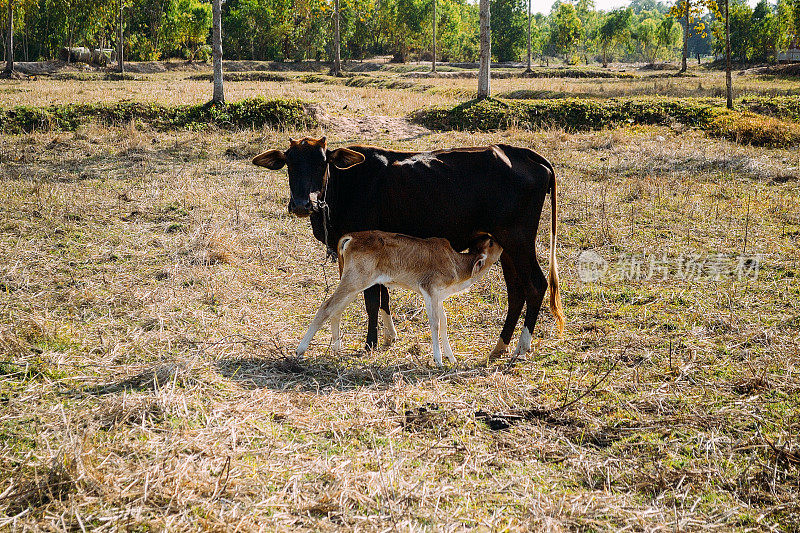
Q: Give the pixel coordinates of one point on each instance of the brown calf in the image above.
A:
(429, 267)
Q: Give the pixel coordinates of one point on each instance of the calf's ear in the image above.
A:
(343, 158)
(479, 262)
(271, 159)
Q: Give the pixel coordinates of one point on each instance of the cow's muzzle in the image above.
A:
(300, 209)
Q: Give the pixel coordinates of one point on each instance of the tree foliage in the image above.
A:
(294, 30)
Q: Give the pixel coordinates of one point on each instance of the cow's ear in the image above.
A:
(343, 158)
(271, 159)
(479, 262)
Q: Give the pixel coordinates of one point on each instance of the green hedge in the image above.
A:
(248, 113)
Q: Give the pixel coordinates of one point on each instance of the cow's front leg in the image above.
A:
(372, 301)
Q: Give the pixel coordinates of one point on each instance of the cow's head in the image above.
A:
(307, 162)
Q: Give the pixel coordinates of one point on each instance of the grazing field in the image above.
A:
(153, 288)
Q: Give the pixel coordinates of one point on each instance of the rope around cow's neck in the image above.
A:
(322, 205)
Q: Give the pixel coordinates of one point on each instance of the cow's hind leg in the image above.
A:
(389, 332)
(535, 286)
(372, 301)
(516, 299)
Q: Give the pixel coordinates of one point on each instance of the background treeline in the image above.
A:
(301, 29)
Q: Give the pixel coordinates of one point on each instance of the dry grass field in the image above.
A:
(153, 288)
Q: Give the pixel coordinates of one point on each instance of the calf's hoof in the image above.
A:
(388, 341)
(499, 351)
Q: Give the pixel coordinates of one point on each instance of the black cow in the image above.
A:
(457, 194)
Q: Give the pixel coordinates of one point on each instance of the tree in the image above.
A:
(484, 89)
(216, 36)
(565, 28)
(796, 16)
(120, 40)
(508, 29)
(728, 79)
(337, 39)
(10, 39)
(687, 11)
(668, 33)
(433, 59)
(615, 27)
(647, 38)
(186, 26)
(529, 36)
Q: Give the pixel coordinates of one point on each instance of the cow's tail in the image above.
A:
(552, 278)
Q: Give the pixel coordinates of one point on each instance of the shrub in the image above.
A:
(786, 107)
(570, 113)
(243, 76)
(755, 129)
(575, 114)
(248, 113)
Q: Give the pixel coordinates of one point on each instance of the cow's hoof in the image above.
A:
(524, 344)
(369, 346)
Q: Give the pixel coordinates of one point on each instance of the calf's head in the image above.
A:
(307, 162)
(486, 252)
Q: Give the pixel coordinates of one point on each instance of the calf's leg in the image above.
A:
(448, 351)
(389, 332)
(345, 293)
(432, 310)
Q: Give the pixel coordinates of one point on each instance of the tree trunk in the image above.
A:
(120, 41)
(529, 37)
(484, 89)
(216, 38)
(10, 39)
(433, 61)
(728, 79)
(337, 53)
(685, 53)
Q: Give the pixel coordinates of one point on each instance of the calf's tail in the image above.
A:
(343, 242)
(552, 278)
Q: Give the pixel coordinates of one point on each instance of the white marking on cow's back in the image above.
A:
(424, 158)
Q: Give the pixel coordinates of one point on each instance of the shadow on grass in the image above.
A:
(327, 373)
(149, 379)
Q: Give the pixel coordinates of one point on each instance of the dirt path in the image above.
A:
(367, 128)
